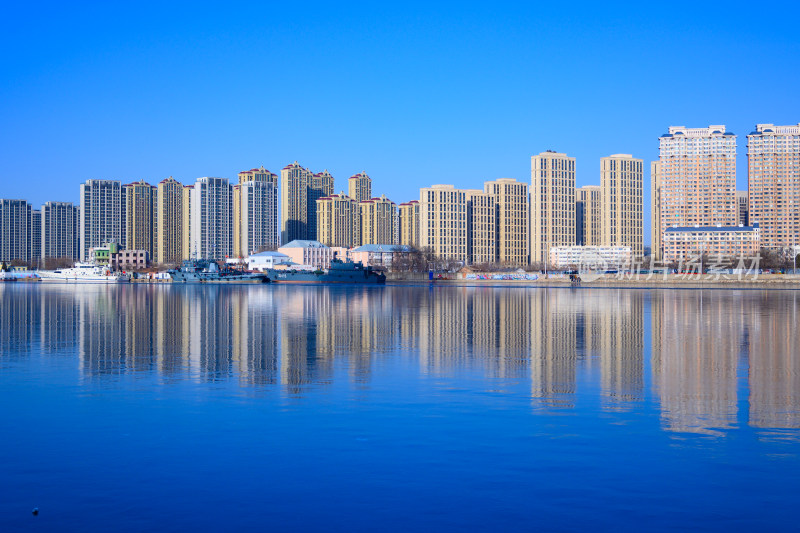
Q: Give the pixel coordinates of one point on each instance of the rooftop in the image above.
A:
(299, 243)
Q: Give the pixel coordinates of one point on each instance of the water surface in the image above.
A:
(179, 408)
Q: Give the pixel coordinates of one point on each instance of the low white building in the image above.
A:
(595, 257)
(265, 260)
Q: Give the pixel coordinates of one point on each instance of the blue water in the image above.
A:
(400, 408)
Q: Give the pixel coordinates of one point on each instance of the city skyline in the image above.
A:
(163, 89)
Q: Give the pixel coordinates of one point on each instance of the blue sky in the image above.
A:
(414, 94)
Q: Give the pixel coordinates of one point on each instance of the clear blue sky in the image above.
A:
(414, 94)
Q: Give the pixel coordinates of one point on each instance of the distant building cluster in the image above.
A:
(696, 209)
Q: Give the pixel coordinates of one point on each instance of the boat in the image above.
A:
(205, 271)
(339, 272)
(83, 273)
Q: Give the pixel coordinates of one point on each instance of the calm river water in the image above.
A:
(408, 408)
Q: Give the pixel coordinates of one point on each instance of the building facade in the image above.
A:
(408, 224)
(321, 185)
(742, 208)
(359, 187)
(294, 202)
(15, 230)
(169, 229)
(552, 203)
(621, 179)
(481, 226)
(378, 221)
(255, 212)
(511, 225)
(140, 216)
(310, 253)
(590, 257)
(35, 240)
(443, 221)
(656, 246)
(102, 218)
(773, 177)
(683, 244)
(60, 227)
(588, 213)
(338, 221)
(698, 177)
(211, 206)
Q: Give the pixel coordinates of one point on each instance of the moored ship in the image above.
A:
(339, 272)
(204, 271)
(83, 273)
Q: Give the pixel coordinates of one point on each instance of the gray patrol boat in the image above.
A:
(339, 272)
(204, 271)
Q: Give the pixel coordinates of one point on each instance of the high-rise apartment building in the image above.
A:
(773, 175)
(698, 177)
(102, 217)
(169, 227)
(443, 221)
(255, 212)
(378, 221)
(588, 215)
(140, 214)
(408, 223)
(481, 226)
(360, 187)
(35, 239)
(186, 221)
(258, 174)
(511, 226)
(742, 208)
(656, 244)
(552, 203)
(300, 189)
(338, 220)
(60, 231)
(294, 202)
(621, 179)
(15, 223)
(211, 205)
(321, 185)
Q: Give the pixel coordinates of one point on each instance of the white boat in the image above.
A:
(84, 273)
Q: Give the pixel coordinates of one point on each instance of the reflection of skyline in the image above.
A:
(703, 343)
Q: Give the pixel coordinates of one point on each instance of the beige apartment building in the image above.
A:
(773, 176)
(408, 223)
(656, 246)
(511, 230)
(169, 228)
(255, 212)
(588, 207)
(258, 174)
(698, 177)
(140, 216)
(321, 185)
(552, 203)
(359, 187)
(443, 221)
(338, 221)
(692, 243)
(378, 221)
(481, 226)
(621, 179)
(294, 186)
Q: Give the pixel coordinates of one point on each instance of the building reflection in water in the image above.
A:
(710, 351)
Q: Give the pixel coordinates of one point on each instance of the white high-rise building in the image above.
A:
(60, 230)
(211, 215)
(102, 218)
